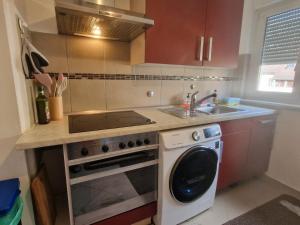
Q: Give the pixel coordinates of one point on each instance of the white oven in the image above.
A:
(110, 176)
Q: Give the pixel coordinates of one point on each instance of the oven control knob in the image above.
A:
(130, 144)
(122, 145)
(84, 151)
(196, 135)
(105, 148)
(139, 142)
(146, 141)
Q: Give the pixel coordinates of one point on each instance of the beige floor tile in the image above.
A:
(235, 201)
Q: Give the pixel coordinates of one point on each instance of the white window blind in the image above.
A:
(282, 38)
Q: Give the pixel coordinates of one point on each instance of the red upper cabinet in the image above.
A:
(223, 31)
(176, 35)
(192, 32)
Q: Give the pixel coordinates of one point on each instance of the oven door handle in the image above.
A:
(111, 162)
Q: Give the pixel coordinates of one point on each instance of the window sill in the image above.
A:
(273, 105)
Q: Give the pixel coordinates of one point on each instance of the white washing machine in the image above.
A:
(188, 172)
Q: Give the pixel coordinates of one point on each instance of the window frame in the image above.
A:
(257, 43)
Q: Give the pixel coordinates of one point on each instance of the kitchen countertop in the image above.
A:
(57, 132)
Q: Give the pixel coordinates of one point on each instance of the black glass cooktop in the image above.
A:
(102, 121)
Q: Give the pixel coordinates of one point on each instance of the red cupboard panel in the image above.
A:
(174, 39)
(223, 24)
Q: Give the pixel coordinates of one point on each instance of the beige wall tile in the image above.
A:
(67, 99)
(85, 55)
(172, 70)
(172, 92)
(193, 71)
(54, 48)
(138, 6)
(218, 72)
(197, 86)
(30, 88)
(87, 95)
(117, 57)
(148, 69)
(132, 93)
(122, 4)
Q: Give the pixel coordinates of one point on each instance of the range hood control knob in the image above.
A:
(196, 135)
(130, 144)
(105, 148)
(122, 145)
(84, 151)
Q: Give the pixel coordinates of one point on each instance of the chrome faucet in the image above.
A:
(195, 103)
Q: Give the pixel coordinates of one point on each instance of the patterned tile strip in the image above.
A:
(141, 77)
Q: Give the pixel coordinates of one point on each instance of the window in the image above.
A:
(280, 52)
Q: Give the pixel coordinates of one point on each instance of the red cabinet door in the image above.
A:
(175, 37)
(261, 145)
(223, 30)
(236, 139)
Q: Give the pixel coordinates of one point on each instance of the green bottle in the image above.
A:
(42, 106)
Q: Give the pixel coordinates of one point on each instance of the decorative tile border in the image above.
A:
(90, 76)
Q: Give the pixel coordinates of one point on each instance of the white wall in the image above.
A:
(285, 158)
(14, 113)
(248, 16)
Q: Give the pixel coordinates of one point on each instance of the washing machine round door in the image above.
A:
(193, 173)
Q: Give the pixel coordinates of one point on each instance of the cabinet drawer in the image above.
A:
(265, 121)
(234, 126)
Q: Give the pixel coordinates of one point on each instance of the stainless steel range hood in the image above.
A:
(89, 18)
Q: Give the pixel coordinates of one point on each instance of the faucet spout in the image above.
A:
(195, 103)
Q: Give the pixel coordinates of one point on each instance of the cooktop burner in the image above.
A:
(102, 121)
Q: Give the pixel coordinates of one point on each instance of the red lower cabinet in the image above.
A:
(261, 144)
(236, 139)
(246, 150)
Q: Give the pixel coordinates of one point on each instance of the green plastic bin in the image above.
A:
(15, 214)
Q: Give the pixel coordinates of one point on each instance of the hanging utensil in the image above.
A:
(63, 86)
(45, 80)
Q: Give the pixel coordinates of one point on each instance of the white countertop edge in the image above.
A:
(179, 123)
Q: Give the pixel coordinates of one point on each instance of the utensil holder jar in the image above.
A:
(56, 108)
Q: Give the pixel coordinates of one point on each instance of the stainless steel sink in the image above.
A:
(208, 110)
(214, 110)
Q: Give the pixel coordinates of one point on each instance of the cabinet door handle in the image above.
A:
(201, 48)
(210, 48)
(221, 150)
(265, 122)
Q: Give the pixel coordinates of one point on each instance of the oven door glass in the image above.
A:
(106, 188)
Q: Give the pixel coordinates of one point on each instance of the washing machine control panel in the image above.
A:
(190, 136)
